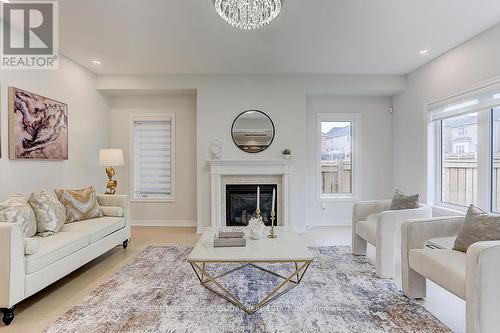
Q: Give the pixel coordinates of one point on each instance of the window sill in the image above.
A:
(443, 210)
(339, 199)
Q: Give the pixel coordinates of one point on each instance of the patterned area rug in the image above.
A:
(158, 292)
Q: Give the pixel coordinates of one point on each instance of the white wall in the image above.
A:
(456, 71)
(375, 160)
(88, 130)
(182, 212)
(220, 98)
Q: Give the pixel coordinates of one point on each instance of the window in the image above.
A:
(152, 152)
(459, 160)
(465, 154)
(337, 155)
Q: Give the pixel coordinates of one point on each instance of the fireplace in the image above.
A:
(241, 202)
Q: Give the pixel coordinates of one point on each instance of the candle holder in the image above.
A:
(257, 213)
(272, 233)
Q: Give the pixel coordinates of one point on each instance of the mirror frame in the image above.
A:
(272, 124)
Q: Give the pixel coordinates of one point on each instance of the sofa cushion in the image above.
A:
(368, 229)
(447, 268)
(96, 228)
(55, 247)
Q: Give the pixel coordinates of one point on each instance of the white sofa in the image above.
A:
(58, 255)
(473, 276)
(375, 223)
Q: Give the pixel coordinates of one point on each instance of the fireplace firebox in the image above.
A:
(241, 202)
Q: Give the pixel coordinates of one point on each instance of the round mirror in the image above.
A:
(253, 131)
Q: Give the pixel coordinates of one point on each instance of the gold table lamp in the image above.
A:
(110, 158)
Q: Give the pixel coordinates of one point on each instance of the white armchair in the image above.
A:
(473, 276)
(375, 223)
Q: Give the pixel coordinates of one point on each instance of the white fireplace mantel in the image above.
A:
(221, 168)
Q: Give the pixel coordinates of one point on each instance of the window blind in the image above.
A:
(476, 100)
(153, 158)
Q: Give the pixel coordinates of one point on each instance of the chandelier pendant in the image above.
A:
(248, 14)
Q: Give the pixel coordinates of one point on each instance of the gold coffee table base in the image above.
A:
(288, 283)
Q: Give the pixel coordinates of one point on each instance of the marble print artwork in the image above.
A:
(158, 292)
(38, 127)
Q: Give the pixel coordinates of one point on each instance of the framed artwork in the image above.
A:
(38, 127)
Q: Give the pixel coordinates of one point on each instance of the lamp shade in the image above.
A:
(111, 157)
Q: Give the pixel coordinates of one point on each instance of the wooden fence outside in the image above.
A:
(336, 176)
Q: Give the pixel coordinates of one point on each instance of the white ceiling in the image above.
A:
(309, 36)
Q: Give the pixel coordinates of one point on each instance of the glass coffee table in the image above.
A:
(288, 248)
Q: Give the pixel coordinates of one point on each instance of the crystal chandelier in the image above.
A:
(248, 14)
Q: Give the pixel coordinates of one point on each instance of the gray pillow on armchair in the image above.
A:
(478, 226)
(403, 201)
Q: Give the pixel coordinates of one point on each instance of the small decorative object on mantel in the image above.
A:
(286, 154)
(215, 150)
(257, 227)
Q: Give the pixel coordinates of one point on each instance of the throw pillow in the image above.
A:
(80, 204)
(49, 212)
(17, 210)
(403, 201)
(478, 226)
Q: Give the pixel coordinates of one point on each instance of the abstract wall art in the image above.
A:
(38, 127)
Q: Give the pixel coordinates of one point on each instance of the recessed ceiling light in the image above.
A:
(497, 96)
(424, 52)
(96, 62)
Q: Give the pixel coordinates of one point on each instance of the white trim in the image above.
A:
(486, 93)
(163, 223)
(221, 168)
(158, 116)
(356, 120)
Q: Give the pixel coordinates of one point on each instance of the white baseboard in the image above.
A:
(163, 223)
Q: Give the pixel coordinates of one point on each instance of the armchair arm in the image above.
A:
(416, 232)
(115, 200)
(482, 289)
(414, 235)
(361, 210)
(12, 272)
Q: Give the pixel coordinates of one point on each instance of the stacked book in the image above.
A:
(229, 239)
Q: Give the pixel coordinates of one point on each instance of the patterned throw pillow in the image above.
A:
(17, 210)
(478, 226)
(402, 201)
(50, 213)
(80, 204)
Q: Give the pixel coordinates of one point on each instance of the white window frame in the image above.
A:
(161, 116)
(483, 107)
(355, 119)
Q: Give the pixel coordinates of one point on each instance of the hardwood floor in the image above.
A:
(37, 312)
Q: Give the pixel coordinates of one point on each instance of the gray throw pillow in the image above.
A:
(17, 210)
(403, 201)
(478, 226)
(50, 213)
